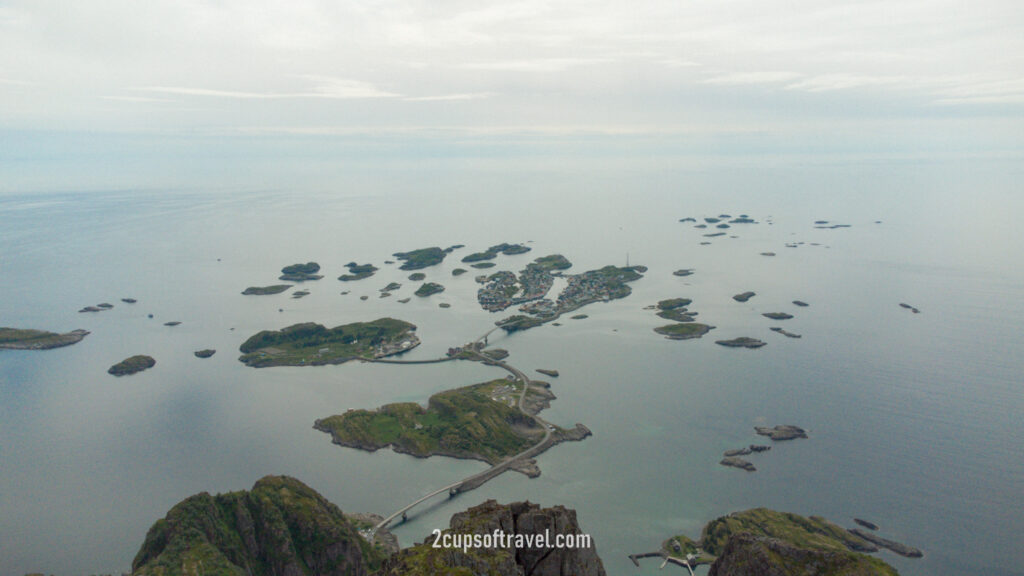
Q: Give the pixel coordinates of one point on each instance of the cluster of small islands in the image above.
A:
(496, 422)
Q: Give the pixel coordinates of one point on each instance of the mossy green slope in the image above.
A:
(787, 543)
(280, 527)
(814, 532)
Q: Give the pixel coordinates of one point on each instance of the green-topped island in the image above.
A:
(311, 344)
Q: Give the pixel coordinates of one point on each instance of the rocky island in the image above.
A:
(784, 332)
(777, 315)
(737, 462)
(741, 342)
(27, 339)
(422, 258)
(677, 315)
(132, 365)
(744, 296)
(765, 542)
(673, 303)
(429, 289)
(311, 344)
(265, 290)
(781, 432)
(492, 252)
(205, 353)
(683, 331)
(357, 272)
(480, 422)
(300, 272)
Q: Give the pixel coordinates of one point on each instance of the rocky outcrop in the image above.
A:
(781, 432)
(741, 342)
(909, 307)
(280, 528)
(753, 555)
(901, 549)
(865, 523)
(522, 521)
(265, 290)
(740, 463)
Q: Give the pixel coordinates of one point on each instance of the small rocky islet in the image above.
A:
(781, 432)
(300, 272)
(428, 289)
(132, 365)
(741, 342)
(744, 296)
(683, 331)
(266, 290)
(492, 252)
(357, 272)
(780, 330)
(423, 257)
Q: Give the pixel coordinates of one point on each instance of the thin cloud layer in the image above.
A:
(124, 65)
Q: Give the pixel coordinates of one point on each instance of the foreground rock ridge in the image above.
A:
(280, 528)
(519, 518)
(284, 528)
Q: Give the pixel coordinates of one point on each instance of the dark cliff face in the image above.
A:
(520, 518)
(747, 554)
(280, 528)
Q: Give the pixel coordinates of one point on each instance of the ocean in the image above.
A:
(914, 420)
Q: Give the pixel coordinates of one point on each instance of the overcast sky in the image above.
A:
(392, 66)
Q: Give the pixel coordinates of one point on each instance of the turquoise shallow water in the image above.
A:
(915, 420)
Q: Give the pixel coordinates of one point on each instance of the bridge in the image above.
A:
(479, 478)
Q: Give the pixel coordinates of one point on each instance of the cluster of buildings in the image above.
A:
(503, 289)
(409, 342)
(542, 307)
(588, 287)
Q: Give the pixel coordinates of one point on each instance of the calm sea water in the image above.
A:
(915, 420)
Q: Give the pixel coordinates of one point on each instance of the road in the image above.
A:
(481, 477)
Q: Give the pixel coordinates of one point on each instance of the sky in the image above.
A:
(734, 75)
